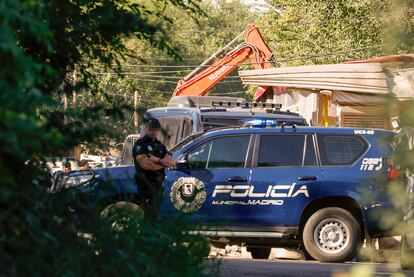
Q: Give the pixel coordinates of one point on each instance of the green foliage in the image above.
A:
(55, 246)
(302, 32)
(399, 28)
(42, 43)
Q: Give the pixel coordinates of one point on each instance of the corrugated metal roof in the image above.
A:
(355, 78)
(359, 78)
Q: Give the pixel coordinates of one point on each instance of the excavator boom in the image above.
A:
(209, 73)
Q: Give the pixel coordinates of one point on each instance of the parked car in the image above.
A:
(55, 164)
(266, 186)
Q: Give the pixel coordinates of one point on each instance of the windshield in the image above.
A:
(186, 141)
(174, 128)
(127, 149)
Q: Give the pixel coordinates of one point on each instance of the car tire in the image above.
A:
(121, 214)
(259, 252)
(407, 255)
(306, 254)
(332, 235)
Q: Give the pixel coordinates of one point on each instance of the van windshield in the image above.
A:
(186, 141)
(174, 129)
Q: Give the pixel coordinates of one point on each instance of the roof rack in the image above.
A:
(283, 112)
(213, 110)
(200, 101)
(246, 105)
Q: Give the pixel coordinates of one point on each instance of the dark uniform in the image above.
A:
(150, 183)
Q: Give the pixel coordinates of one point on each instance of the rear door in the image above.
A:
(284, 167)
(202, 189)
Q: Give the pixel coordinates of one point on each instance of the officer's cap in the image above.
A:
(152, 123)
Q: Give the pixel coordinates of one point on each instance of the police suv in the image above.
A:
(323, 189)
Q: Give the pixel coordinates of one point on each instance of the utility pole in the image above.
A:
(76, 149)
(74, 93)
(137, 99)
(65, 108)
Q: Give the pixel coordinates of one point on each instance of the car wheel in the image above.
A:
(407, 255)
(122, 214)
(259, 252)
(306, 255)
(332, 235)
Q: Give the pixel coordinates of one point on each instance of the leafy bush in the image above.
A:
(43, 42)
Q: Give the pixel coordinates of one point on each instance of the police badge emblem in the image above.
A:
(188, 194)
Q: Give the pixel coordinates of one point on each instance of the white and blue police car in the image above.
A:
(323, 189)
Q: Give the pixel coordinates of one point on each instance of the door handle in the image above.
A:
(238, 179)
(307, 178)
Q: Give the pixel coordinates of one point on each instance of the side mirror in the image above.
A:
(182, 162)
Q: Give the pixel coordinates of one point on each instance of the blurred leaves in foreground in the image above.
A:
(42, 43)
(58, 243)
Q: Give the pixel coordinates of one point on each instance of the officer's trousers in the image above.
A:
(150, 193)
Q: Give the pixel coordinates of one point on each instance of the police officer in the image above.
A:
(151, 158)
(67, 166)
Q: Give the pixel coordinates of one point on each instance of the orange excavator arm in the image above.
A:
(212, 71)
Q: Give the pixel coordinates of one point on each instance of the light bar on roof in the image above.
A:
(261, 123)
(246, 105)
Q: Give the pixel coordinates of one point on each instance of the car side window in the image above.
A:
(197, 158)
(228, 152)
(310, 156)
(224, 152)
(281, 150)
(340, 150)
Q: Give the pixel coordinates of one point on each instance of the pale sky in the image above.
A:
(259, 5)
(260, 2)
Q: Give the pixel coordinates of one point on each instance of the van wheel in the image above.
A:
(259, 252)
(407, 255)
(122, 214)
(332, 235)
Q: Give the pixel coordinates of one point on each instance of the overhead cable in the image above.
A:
(250, 63)
(150, 75)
